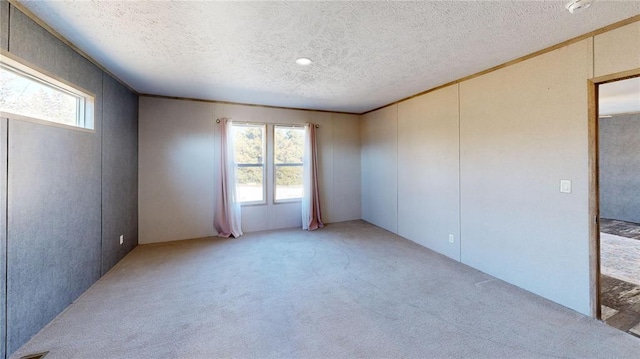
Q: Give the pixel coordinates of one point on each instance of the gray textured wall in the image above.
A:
(119, 172)
(54, 223)
(66, 189)
(620, 167)
(53, 195)
(4, 24)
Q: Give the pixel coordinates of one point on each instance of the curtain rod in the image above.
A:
(257, 123)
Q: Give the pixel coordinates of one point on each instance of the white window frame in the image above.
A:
(263, 165)
(275, 165)
(86, 100)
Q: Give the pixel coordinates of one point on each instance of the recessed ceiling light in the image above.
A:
(303, 61)
(575, 6)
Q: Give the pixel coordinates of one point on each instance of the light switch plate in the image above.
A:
(565, 186)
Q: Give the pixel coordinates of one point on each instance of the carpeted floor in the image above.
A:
(349, 290)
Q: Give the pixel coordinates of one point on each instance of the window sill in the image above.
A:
(253, 204)
(12, 116)
(288, 201)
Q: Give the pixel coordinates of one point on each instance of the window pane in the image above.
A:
(249, 184)
(21, 94)
(289, 144)
(288, 182)
(248, 142)
(288, 151)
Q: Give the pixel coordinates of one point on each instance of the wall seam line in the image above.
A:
(6, 214)
(333, 163)
(594, 286)
(593, 56)
(459, 180)
(6, 251)
(397, 168)
(101, 273)
(8, 35)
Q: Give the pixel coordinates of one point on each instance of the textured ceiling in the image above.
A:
(366, 54)
(619, 97)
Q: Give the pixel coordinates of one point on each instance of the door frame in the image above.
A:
(594, 189)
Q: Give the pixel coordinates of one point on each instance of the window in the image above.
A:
(27, 93)
(250, 143)
(288, 154)
(249, 149)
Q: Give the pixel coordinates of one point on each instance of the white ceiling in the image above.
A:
(366, 54)
(619, 97)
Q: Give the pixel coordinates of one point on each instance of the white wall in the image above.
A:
(517, 142)
(345, 204)
(617, 50)
(428, 171)
(175, 170)
(379, 136)
(522, 129)
(178, 140)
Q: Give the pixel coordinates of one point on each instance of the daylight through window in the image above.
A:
(249, 150)
(27, 93)
(288, 156)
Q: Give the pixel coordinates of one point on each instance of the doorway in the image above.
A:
(617, 202)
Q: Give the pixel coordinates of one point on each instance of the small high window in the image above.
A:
(288, 162)
(29, 94)
(249, 149)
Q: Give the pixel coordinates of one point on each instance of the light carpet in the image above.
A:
(350, 290)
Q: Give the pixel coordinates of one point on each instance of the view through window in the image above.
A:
(25, 92)
(249, 150)
(288, 157)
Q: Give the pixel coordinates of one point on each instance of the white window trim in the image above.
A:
(86, 122)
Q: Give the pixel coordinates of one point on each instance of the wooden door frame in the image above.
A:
(594, 189)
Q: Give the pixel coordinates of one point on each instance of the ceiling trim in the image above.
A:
(37, 20)
(520, 59)
(245, 104)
